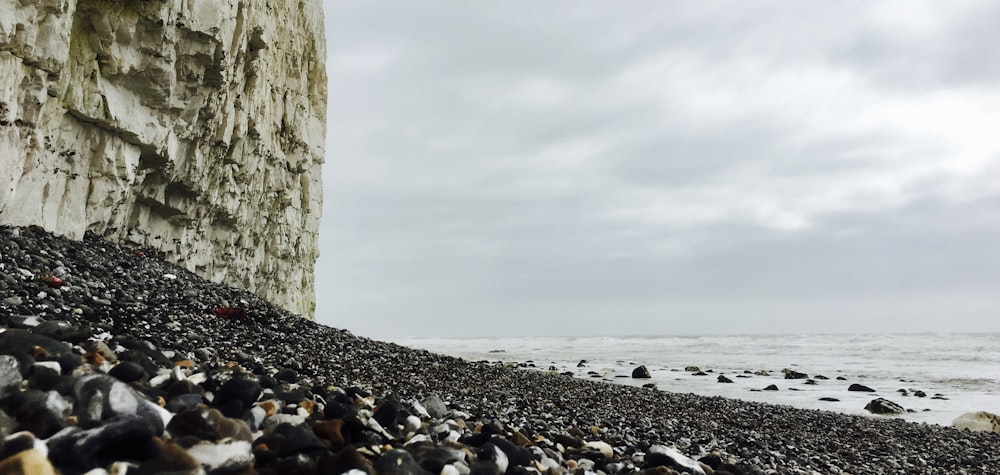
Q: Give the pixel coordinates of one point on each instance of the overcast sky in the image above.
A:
(599, 167)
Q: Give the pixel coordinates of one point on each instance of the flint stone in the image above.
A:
(661, 455)
(884, 406)
(20, 344)
(398, 462)
(792, 374)
(101, 397)
(434, 406)
(641, 373)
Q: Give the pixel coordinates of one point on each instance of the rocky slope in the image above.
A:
(111, 358)
(195, 128)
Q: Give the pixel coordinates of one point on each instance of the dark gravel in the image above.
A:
(120, 360)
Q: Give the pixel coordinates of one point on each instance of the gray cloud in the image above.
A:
(529, 168)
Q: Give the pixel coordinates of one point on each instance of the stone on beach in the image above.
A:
(792, 374)
(860, 388)
(981, 421)
(641, 373)
(884, 406)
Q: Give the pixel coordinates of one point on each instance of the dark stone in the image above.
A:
(27, 347)
(182, 387)
(46, 379)
(398, 462)
(100, 397)
(344, 461)
(128, 372)
(63, 330)
(723, 379)
(641, 373)
(692, 369)
(829, 399)
(919, 394)
(884, 406)
(810, 382)
(771, 387)
(140, 358)
(192, 423)
(568, 441)
(388, 412)
(298, 439)
(183, 402)
(33, 414)
(291, 397)
(267, 381)
(125, 437)
(860, 388)
(792, 374)
(17, 444)
(287, 375)
(701, 373)
(517, 455)
(484, 468)
(239, 388)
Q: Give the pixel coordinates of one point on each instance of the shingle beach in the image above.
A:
(112, 360)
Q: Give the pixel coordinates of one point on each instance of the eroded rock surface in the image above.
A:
(193, 128)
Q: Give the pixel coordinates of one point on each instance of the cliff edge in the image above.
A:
(195, 128)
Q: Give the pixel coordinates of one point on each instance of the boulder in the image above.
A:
(884, 406)
(723, 379)
(981, 421)
(792, 374)
(860, 388)
(641, 373)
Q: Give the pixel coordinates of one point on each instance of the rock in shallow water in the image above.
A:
(860, 388)
(884, 406)
(641, 373)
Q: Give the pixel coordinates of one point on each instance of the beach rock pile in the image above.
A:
(113, 361)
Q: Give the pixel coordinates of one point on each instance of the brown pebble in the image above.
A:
(330, 430)
(184, 364)
(27, 462)
(520, 439)
(93, 358)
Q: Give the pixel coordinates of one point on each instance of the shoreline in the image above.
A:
(348, 402)
(937, 391)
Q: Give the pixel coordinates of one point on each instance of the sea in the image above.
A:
(957, 372)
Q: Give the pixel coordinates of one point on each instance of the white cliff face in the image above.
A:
(193, 127)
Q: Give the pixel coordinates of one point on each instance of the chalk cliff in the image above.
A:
(192, 127)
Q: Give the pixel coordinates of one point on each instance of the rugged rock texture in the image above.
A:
(195, 128)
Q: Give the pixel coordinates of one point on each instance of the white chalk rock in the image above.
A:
(981, 421)
(230, 456)
(194, 128)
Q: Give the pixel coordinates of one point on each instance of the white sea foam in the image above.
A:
(964, 368)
